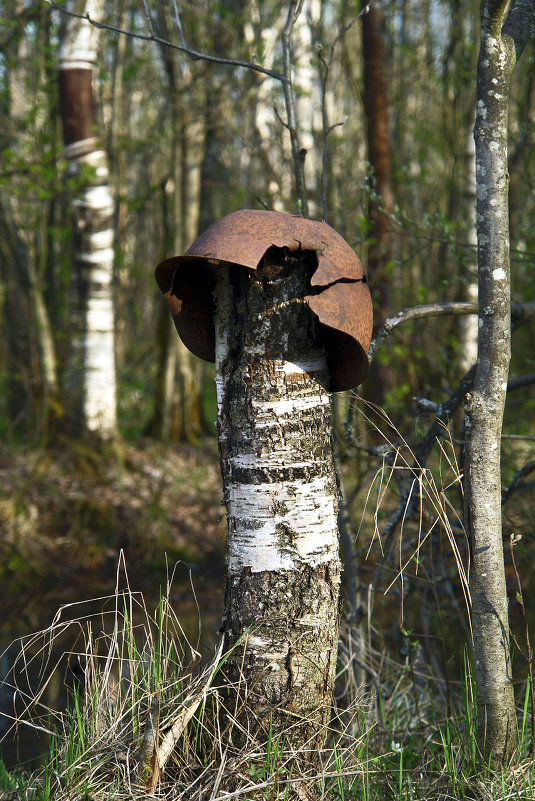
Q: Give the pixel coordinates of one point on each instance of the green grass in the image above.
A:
(140, 667)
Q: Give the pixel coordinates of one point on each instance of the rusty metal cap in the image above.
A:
(342, 304)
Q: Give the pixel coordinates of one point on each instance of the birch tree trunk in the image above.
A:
(468, 329)
(308, 102)
(500, 49)
(281, 603)
(91, 378)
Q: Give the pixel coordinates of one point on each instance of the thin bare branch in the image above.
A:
(418, 313)
(195, 55)
(148, 17)
(279, 118)
(521, 381)
(525, 470)
(179, 23)
(520, 312)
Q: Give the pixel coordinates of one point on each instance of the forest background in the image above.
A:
(385, 109)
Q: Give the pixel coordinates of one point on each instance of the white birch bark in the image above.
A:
(308, 100)
(91, 375)
(281, 499)
(469, 322)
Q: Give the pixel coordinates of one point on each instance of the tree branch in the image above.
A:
(520, 24)
(493, 11)
(520, 381)
(179, 23)
(520, 312)
(417, 313)
(525, 470)
(195, 55)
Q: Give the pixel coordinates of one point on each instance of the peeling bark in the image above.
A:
(91, 378)
(500, 48)
(281, 605)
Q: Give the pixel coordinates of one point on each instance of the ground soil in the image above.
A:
(67, 514)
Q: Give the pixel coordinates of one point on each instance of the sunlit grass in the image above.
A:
(146, 719)
(145, 699)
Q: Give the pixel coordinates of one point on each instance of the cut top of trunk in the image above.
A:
(339, 297)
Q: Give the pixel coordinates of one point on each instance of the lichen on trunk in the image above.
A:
(274, 421)
(501, 45)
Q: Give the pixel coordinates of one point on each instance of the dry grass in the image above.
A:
(145, 720)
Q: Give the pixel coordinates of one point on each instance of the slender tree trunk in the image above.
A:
(281, 604)
(16, 321)
(500, 48)
(469, 323)
(45, 248)
(91, 379)
(189, 414)
(32, 366)
(380, 200)
(178, 399)
(376, 109)
(308, 103)
(263, 171)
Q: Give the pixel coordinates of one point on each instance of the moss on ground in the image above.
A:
(66, 513)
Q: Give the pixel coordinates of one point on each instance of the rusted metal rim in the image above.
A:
(342, 303)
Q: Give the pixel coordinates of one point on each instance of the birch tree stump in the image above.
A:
(274, 423)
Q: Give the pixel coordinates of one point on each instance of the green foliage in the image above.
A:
(76, 508)
(144, 122)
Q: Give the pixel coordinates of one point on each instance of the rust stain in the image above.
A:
(78, 110)
(342, 304)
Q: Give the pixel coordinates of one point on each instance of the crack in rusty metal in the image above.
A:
(342, 302)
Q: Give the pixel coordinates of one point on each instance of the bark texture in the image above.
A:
(380, 199)
(468, 328)
(281, 605)
(91, 379)
(376, 108)
(500, 48)
(178, 413)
